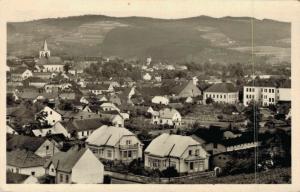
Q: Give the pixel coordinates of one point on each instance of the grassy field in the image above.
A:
(274, 176)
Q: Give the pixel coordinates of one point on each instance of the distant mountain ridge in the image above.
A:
(198, 39)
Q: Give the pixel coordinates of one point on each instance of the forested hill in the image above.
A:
(196, 39)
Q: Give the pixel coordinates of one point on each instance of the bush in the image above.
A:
(170, 172)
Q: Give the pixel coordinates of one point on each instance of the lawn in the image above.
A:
(273, 176)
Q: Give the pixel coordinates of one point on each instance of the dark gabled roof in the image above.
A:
(82, 125)
(278, 83)
(15, 178)
(19, 70)
(23, 159)
(65, 161)
(50, 61)
(151, 91)
(25, 142)
(57, 137)
(102, 86)
(247, 137)
(209, 135)
(36, 80)
(222, 88)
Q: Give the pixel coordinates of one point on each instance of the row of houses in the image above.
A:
(40, 156)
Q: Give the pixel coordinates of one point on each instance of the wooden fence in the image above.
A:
(157, 180)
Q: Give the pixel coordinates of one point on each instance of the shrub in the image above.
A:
(170, 172)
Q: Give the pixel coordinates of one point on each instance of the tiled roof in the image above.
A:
(50, 61)
(15, 178)
(23, 159)
(97, 86)
(82, 125)
(281, 83)
(65, 161)
(167, 113)
(107, 135)
(170, 145)
(25, 142)
(222, 88)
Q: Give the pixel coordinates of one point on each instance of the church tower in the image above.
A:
(45, 52)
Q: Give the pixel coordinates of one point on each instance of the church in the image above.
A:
(48, 63)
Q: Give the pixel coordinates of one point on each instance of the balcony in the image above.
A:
(126, 147)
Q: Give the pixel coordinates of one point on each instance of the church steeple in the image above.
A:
(45, 52)
(45, 46)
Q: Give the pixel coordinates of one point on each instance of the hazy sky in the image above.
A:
(22, 10)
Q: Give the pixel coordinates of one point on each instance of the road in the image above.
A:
(119, 181)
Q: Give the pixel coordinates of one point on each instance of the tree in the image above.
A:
(170, 172)
(252, 113)
(209, 100)
(67, 68)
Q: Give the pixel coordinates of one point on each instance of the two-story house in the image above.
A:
(183, 153)
(166, 116)
(77, 165)
(222, 93)
(115, 144)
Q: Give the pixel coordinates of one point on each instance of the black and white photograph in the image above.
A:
(148, 92)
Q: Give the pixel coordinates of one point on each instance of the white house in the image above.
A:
(147, 77)
(167, 116)
(10, 130)
(115, 144)
(25, 162)
(265, 92)
(183, 153)
(160, 100)
(77, 165)
(50, 116)
(222, 93)
(109, 107)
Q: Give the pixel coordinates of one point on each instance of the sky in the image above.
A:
(25, 10)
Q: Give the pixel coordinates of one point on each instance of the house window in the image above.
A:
(191, 165)
(82, 133)
(109, 153)
(125, 154)
(47, 147)
(67, 178)
(190, 152)
(215, 145)
(33, 173)
(50, 112)
(128, 142)
(61, 177)
(129, 154)
(52, 170)
(197, 152)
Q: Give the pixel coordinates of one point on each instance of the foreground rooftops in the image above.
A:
(170, 145)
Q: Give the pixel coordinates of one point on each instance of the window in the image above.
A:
(33, 173)
(191, 165)
(273, 90)
(129, 154)
(50, 112)
(61, 177)
(128, 142)
(215, 145)
(224, 96)
(67, 178)
(197, 152)
(125, 154)
(47, 147)
(53, 121)
(82, 133)
(52, 170)
(109, 153)
(190, 152)
(269, 99)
